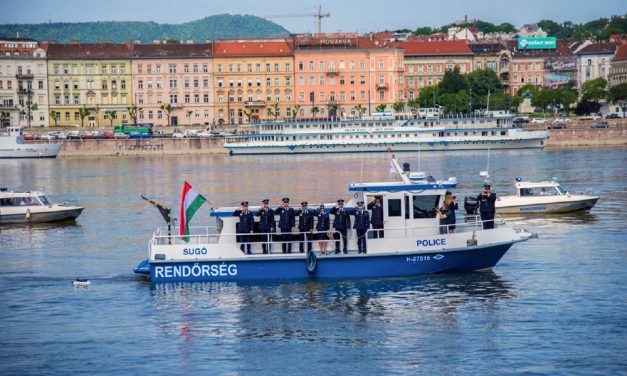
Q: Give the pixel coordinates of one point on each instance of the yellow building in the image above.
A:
(92, 76)
(253, 78)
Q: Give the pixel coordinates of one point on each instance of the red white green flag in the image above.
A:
(190, 202)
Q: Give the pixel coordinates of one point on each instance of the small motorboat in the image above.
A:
(33, 207)
(543, 197)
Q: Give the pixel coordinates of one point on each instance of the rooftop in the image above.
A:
(89, 51)
(172, 50)
(417, 48)
(282, 47)
(486, 48)
(598, 48)
(621, 52)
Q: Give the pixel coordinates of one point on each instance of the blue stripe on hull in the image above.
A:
(329, 267)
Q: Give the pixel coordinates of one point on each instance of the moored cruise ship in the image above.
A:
(495, 130)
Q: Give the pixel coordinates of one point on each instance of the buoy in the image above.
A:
(311, 262)
(81, 282)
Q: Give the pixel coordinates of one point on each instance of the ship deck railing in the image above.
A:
(210, 235)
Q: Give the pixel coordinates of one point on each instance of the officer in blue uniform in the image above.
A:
(322, 227)
(362, 223)
(287, 221)
(244, 227)
(377, 217)
(266, 224)
(486, 206)
(305, 226)
(341, 224)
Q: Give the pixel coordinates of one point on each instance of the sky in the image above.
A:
(346, 15)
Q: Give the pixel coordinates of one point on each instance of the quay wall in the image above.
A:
(613, 136)
(140, 147)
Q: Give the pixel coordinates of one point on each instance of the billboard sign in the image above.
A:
(548, 43)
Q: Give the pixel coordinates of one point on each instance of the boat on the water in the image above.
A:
(494, 130)
(33, 207)
(12, 145)
(411, 242)
(543, 197)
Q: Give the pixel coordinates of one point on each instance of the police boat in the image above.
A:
(411, 242)
(544, 197)
(33, 207)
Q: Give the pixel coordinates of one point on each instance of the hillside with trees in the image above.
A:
(213, 27)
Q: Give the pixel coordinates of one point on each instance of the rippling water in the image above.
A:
(555, 305)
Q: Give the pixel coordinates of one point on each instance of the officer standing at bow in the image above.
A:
(362, 223)
(322, 227)
(244, 227)
(377, 217)
(486, 206)
(266, 224)
(305, 226)
(287, 221)
(341, 224)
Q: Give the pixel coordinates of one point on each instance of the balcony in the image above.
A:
(24, 75)
(381, 86)
(24, 91)
(256, 104)
(333, 71)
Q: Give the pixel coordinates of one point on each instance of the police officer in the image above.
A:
(486, 206)
(377, 217)
(244, 227)
(341, 224)
(287, 221)
(266, 224)
(322, 228)
(305, 226)
(362, 223)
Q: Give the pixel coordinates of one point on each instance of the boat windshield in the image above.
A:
(542, 191)
(44, 200)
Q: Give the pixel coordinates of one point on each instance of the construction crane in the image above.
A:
(319, 15)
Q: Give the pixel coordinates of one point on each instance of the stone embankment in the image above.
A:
(138, 147)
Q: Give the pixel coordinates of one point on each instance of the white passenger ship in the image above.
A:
(12, 145)
(495, 130)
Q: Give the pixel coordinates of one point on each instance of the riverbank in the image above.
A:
(587, 137)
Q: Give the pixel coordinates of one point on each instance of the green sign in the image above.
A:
(548, 43)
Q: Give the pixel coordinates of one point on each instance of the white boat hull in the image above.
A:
(544, 207)
(284, 148)
(31, 151)
(37, 215)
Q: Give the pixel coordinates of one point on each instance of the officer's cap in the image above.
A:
(448, 193)
(340, 201)
(360, 202)
(285, 199)
(322, 205)
(304, 203)
(244, 203)
(265, 201)
(487, 185)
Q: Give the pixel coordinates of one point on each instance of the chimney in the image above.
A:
(74, 41)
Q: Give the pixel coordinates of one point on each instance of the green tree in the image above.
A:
(483, 81)
(248, 114)
(527, 91)
(359, 109)
(413, 104)
(594, 90)
(4, 115)
(452, 82)
(398, 107)
(296, 111)
(132, 112)
(189, 117)
(167, 108)
(53, 115)
(110, 115)
(617, 93)
(427, 96)
(83, 113)
(314, 111)
(380, 107)
(27, 109)
(543, 99)
(566, 97)
(332, 109)
(274, 111)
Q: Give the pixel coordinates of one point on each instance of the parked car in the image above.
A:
(521, 119)
(74, 135)
(108, 134)
(206, 134)
(98, 135)
(561, 119)
(191, 133)
(177, 134)
(28, 137)
(48, 137)
(62, 136)
(139, 135)
(86, 135)
(600, 124)
(158, 134)
(557, 126)
(120, 135)
(613, 116)
(539, 121)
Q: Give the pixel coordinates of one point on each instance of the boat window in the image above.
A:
(44, 200)
(394, 207)
(560, 190)
(424, 205)
(18, 201)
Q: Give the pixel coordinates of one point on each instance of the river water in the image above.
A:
(553, 305)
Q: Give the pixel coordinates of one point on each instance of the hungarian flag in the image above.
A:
(190, 202)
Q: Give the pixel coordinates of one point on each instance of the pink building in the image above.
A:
(176, 74)
(336, 72)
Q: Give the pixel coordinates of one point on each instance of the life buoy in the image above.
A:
(312, 262)
(27, 214)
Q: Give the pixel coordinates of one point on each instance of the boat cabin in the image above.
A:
(543, 188)
(28, 198)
